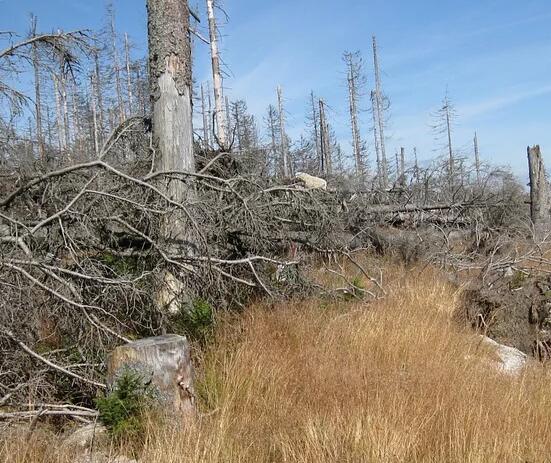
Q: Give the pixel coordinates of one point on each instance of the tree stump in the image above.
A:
(165, 362)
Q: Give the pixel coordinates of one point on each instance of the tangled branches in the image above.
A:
(82, 254)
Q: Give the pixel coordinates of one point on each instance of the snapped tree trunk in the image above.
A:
(170, 89)
(540, 194)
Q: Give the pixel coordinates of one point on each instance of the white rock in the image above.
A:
(311, 182)
(511, 360)
(84, 436)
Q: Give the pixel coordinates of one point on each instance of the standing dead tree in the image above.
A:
(354, 80)
(221, 128)
(540, 192)
(284, 149)
(171, 92)
(379, 116)
(326, 159)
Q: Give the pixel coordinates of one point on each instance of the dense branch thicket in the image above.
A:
(83, 206)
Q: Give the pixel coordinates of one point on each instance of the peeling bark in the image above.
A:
(171, 89)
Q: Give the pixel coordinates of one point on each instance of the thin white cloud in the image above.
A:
(513, 96)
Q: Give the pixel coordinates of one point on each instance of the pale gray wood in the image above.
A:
(165, 362)
(221, 131)
(540, 194)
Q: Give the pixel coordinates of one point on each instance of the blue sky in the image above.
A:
(494, 57)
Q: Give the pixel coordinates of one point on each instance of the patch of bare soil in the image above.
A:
(512, 307)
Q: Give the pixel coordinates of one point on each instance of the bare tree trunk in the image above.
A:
(64, 107)
(377, 139)
(99, 95)
(171, 93)
(380, 115)
(316, 131)
(37, 95)
(94, 115)
(128, 74)
(59, 116)
(325, 145)
(221, 132)
(450, 149)
(283, 137)
(540, 192)
(116, 66)
(402, 167)
(352, 100)
(205, 119)
(416, 166)
(476, 159)
(76, 117)
(228, 114)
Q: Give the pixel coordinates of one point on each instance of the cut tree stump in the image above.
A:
(165, 361)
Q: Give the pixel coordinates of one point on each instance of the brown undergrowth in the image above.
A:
(395, 380)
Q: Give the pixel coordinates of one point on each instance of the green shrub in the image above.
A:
(197, 321)
(122, 409)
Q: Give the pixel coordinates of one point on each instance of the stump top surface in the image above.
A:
(158, 341)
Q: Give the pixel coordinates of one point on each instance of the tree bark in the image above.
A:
(540, 193)
(116, 67)
(165, 363)
(221, 132)
(380, 115)
(282, 135)
(325, 145)
(128, 74)
(171, 90)
(204, 112)
(37, 96)
(476, 159)
(377, 139)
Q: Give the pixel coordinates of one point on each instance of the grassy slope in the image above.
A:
(396, 380)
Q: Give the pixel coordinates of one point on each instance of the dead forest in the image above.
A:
(135, 200)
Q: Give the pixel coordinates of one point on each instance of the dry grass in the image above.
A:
(393, 381)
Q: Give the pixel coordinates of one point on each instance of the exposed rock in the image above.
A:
(511, 360)
(102, 457)
(87, 436)
(165, 362)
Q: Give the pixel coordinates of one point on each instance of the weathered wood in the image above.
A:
(540, 194)
(221, 132)
(170, 89)
(282, 135)
(165, 361)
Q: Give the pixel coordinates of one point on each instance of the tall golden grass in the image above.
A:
(396, 380)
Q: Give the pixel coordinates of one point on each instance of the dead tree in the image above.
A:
(221, 132)
(540, 193)
(204, 112)
(116, 65)
(283, 137)
(353, 64)
(326, 164)
(476, 159)
(37, 94)
(128, 74)
(377, 140)
(315, 128)
(171, 93)
(380, 119)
